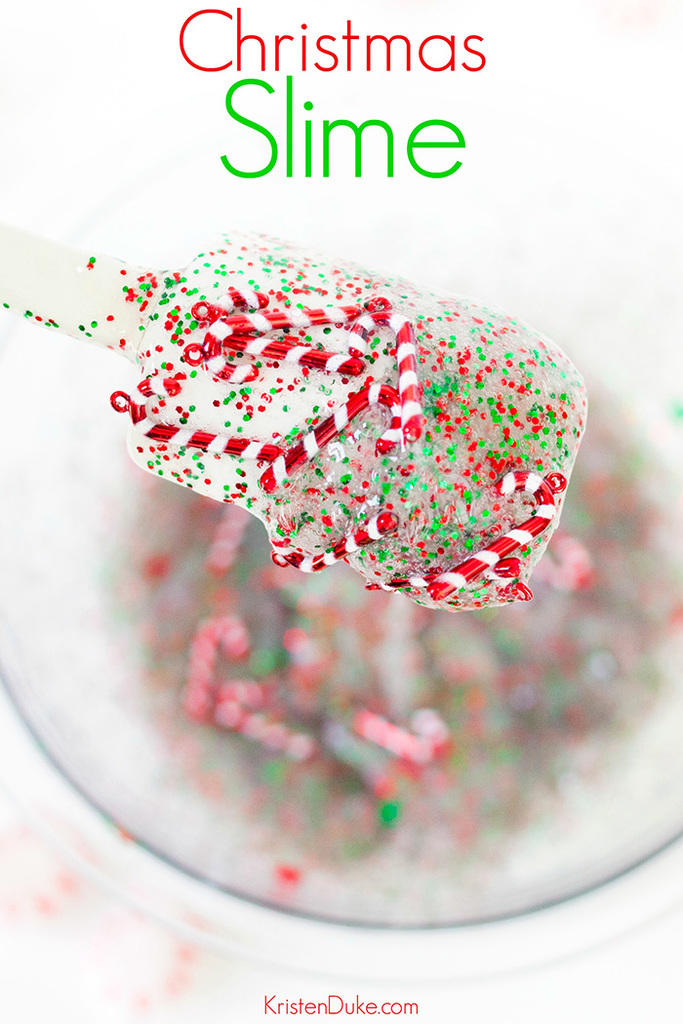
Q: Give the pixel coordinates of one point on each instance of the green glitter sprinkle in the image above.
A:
(390, 813)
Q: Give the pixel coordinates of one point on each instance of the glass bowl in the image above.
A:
(552, 729)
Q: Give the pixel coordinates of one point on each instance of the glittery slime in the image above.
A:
(423, 439)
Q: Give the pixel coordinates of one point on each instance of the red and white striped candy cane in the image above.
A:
(379, 314)
(409, 388)
(231, 332)
(209, 442)
(266, 323)
(241, 297)
(265, 729)
(227, 632)
(379, 525)
(215, 363)
(400, 742)
(307, 449)
(286, 351)
(493, 560)
(210, 354)
(181, 437)
(375, 314)
(544, 491)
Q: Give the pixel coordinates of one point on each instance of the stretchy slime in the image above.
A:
(426, 440)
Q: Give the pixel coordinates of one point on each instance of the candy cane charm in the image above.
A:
(544, 490)
(267, 323)
(183, 438)
(311, 444)
(227, 632)
(264, 728)
(234, 298)
(210, 354)
(379, 314)
(385, 522)
(236, 334)
(286, 351)
(247, 333)
(412, 417)
(402, 743)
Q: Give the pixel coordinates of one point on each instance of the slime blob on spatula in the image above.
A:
(426, 440)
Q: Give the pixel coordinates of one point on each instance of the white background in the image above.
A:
(567, 210)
